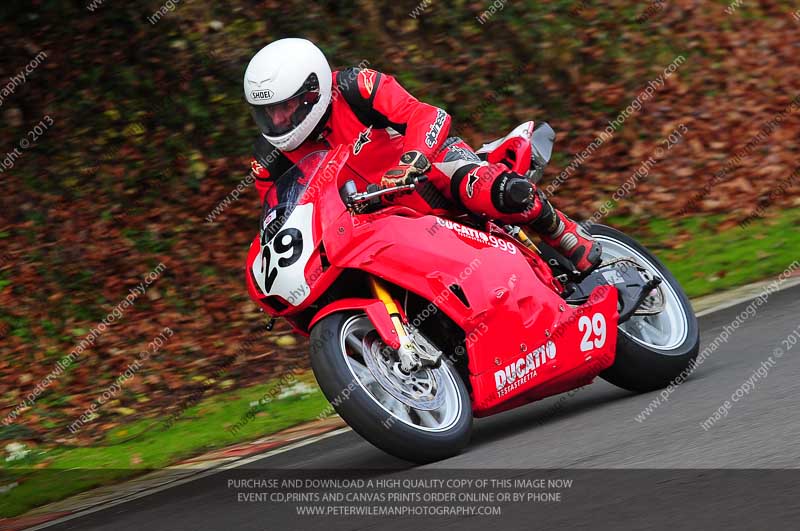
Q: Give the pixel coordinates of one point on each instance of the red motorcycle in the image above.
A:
(419, 322)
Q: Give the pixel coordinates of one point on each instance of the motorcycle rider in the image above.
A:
(301, 106)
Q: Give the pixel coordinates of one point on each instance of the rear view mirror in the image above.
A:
(541, 150)
(542, 142)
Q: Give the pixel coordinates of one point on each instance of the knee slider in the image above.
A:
(512, 194)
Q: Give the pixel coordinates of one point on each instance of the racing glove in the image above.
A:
(412, 164)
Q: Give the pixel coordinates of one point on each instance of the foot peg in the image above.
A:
(518, 194)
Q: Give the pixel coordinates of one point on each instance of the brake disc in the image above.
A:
(418, 390)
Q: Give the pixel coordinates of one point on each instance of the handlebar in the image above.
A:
(410, 184)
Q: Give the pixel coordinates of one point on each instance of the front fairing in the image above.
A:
(290, 188)
(284, 263)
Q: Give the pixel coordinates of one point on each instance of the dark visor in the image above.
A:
(276, 119)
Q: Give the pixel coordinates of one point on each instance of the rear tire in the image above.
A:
(641, 366)
(362, 410)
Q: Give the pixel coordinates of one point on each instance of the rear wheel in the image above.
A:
(421, 417)
(652, 350)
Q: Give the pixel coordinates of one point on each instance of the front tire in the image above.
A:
(651, 350)
(419, 436)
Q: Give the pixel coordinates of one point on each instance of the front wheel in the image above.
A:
(421, 417)
(652, 350)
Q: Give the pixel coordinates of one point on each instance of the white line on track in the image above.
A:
(200, 474)
(747, 293)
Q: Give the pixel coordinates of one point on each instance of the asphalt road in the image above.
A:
(595, 429)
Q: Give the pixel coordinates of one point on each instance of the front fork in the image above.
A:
(415, 350)
(408, 359)
(523, 237)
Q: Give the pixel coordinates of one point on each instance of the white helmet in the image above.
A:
(288, 86)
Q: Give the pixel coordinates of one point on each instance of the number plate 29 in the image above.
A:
(279, 269)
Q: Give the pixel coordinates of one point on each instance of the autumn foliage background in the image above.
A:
(151, 132)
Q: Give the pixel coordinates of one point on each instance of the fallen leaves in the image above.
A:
(144, 151)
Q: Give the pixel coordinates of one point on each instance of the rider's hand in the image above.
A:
(412, 164)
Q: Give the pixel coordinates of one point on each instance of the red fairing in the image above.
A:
(581, 343)
(510, 305)
(523, 342)
(375, 310)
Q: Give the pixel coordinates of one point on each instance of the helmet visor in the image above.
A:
(276, 119)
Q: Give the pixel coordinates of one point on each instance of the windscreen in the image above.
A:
(290, 189)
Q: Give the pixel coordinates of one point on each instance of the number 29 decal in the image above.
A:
(280, 267)
(594, 331)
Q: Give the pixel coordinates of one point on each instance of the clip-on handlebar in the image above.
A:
(354, 199)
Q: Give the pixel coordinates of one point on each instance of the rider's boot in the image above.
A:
(567, 236)
(556, 229)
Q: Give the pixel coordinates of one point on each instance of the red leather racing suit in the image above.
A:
(380, 121)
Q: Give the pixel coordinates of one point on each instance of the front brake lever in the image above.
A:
(370, 194)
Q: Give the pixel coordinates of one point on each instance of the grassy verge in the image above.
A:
(45, 475)
(704, 258)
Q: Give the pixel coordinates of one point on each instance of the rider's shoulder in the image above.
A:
(358, 82)
(267, 155)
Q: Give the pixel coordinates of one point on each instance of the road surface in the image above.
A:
(592, 434)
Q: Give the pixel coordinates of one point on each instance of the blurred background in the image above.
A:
(124, 133)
